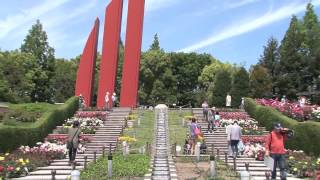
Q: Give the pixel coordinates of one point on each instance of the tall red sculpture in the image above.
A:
(130, 73)
(85, 75)
(110, 49)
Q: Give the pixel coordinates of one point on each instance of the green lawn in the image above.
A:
(143, 133)
(177, 132)
(134, 165)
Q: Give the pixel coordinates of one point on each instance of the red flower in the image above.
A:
(10, 168)
(1, 168)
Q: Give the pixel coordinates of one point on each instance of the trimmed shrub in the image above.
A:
(13, 137)
(307, 136)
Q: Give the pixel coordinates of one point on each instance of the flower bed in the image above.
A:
(92, 114)
(293, 110)
(301, 165)
(87, 125)
(26, 159)
(234, 115)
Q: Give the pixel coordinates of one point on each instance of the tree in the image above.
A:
(222, 86)
(155, 46)
(240, 86)
(36, 43)
(260, 82)
(17, 71)
(270, 60)
(292, 67)
(64, 80)
(311, 32)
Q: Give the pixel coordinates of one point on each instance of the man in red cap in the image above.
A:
(275, 148)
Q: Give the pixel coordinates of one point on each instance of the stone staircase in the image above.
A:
(218, 139)
(106, 136)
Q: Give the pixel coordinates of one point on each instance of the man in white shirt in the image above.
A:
(114, 98)
(235, 137)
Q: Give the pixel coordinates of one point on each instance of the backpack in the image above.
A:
(197, 131)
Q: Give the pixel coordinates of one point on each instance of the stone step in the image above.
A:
(48, 172)
(59, 167)
(42, 177)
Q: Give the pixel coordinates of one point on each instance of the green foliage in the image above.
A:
(306, 138)
(291, 63)
(270, 60)
(12, 137)
(134, 165)
(64, 80)
(16, 73)
(260, 82)
(155, 46)
(222, 86)
(240, 87)
(36, 43)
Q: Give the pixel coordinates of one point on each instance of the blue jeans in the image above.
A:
(279, 160)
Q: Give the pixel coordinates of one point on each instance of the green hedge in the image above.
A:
(307, 134)
(12, 137)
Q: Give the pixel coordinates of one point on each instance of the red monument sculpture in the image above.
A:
(132, 52)
(110, 47)
(85, 75)
(110, 52)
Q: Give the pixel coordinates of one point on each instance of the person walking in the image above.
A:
(235, 137)
(211, 121)
(194, 132)
(228, 130)
(205, 108)
(81, 102)
(73, 141)
(275, 149)
(114, 99)
(107, 101)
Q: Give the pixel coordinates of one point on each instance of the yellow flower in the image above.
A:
(27, 161)
(1, 158)
(291, 157)
(6, 154)
(305, 162)
(23, 163)
(18, 169)
(295, 169)
(21, 160)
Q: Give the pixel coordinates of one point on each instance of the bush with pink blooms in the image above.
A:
(92, 114)
(293, 109)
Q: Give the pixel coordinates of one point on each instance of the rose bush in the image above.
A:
(87, 125)
(92, 114)
(291, 109)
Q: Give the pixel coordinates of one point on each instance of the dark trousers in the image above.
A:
(72, 154)
(279, 160)
(205, 114)
(234, 147)
(211, 124)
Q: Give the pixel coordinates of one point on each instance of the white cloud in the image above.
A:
(248, 26)
(13, 22)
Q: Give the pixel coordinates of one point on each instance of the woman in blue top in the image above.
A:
(193, 126)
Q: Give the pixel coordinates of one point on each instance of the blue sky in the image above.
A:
(231, 30)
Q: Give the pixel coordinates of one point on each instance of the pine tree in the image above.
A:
(36, 43)
(311, 31)
(292, 65)
(222, 86)
(270, 60)
(155, 46)
(240, 86)
(260, 82)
